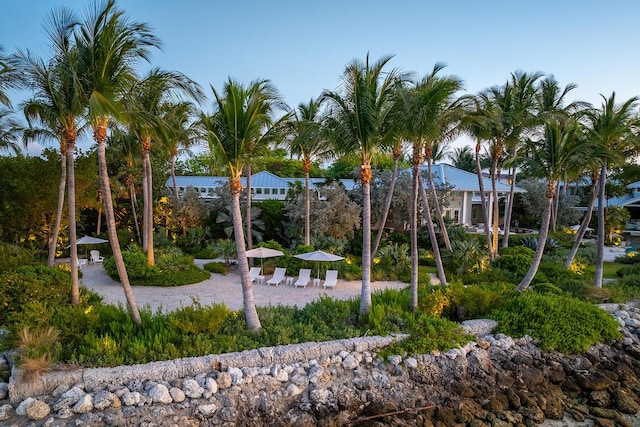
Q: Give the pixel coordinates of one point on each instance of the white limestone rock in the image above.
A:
(294, 390)
(4, 391)
(159, 393)
(192, 389)
(411, 362)
(350, 362)
(84, 405)
(395, 360)
(131, 398)
(5, 412)
(224, 380)
(177, 394)
(207, 411)
(236, 375)
(22, 407)
(210, 387)
(105, 399)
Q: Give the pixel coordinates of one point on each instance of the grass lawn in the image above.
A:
(609, 269)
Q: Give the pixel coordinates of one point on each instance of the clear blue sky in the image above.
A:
(303, 46)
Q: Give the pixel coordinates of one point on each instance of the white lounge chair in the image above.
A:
(278, 276)
(304, 277)
(254, 274)
(331, 279)
(95, 256)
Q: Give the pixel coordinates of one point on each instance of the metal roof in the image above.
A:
(462, 180)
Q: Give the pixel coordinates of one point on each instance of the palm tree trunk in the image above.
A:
(583, 226)
(509, 209)
(496, 213)
(387, 207)
(483, 200)
(101, 134)
(600, 241)
(414, 236)
(73, 238)
(436, 202)
(176, 194)
(132, 198)
(556, 208)
(151, 260)
(53, 239)
(249, 202)
(99, 222)
(145, 211)
(251, 315)
(432, 234)
(365, 295)
(307, 209)
(542, 239)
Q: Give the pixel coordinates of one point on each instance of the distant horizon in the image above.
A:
(303, 49)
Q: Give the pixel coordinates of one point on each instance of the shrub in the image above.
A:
(555, 273)
(628, 258)
(518, 250)
(514, 267)
(135, 262)
(479, 300)
(12, 256)
(547, 288)
(489, 276)
(629, 270)
(558, 322)
(623, 290)
(216, 267)
(427, 334)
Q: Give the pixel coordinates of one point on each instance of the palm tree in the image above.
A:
(610, 127)
(309, 143)
(58, 105)
(145, 104)
(10, 77)
(242, 117)
(462, 158)
(359, 122)
(522, 120)
(10, 129)
(109, 45)
(549, 158)
(594, 175)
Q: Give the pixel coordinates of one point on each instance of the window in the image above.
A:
(267, 191)
(258, 190)
(447, 213)
(283, 191)
(456, 215)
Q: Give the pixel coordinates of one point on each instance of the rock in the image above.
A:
(6, 412)
(73, 393)
(38, 410)
(104, 399)
(394, 360)
(4, 391)
(479, 327)
(594, 381)
(177, 395)
(211, 387)
(131, 398)
(224, 380)
(192, 389)
(160, 394)
(84, 405)
(411, 362)
(294, 390)
(236, 375)
(624, 401)
(22, 407)
(207, 411)
(599, 398)
(349, 362)
(279, 374)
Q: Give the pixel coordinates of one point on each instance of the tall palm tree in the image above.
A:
(462, 158)
(58, 105)
(611, 128)
(522, 121)
(145, 104)
(310, 144)
(359, 121)
(10, 77)
(595, 177)
(242, 117)
(109, 45)
(179, 136)
(549, 158)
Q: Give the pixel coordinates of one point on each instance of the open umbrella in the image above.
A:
(319, 256)
(577, 227)
(263, 253)
(88, 240)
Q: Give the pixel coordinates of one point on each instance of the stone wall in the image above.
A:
(494, 380)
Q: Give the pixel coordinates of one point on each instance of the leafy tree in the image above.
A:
(616, 218)
(462, 158)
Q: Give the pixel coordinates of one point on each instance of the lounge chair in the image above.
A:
(254, 274)
(95, 256)
(331, 279)
(304, 277)
(278, 276)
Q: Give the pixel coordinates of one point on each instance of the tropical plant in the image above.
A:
(358, 121)
(109, 45)
(462, 158)
(242, 117)
(611, 128)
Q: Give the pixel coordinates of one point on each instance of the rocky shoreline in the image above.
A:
(494, 381)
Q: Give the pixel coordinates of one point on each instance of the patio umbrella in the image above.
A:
(263, 253)
(577, 227)
(88, 240)
(319, 256)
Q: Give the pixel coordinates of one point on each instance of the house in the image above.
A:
(464, 202)
(630, 201)
(264, 185)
